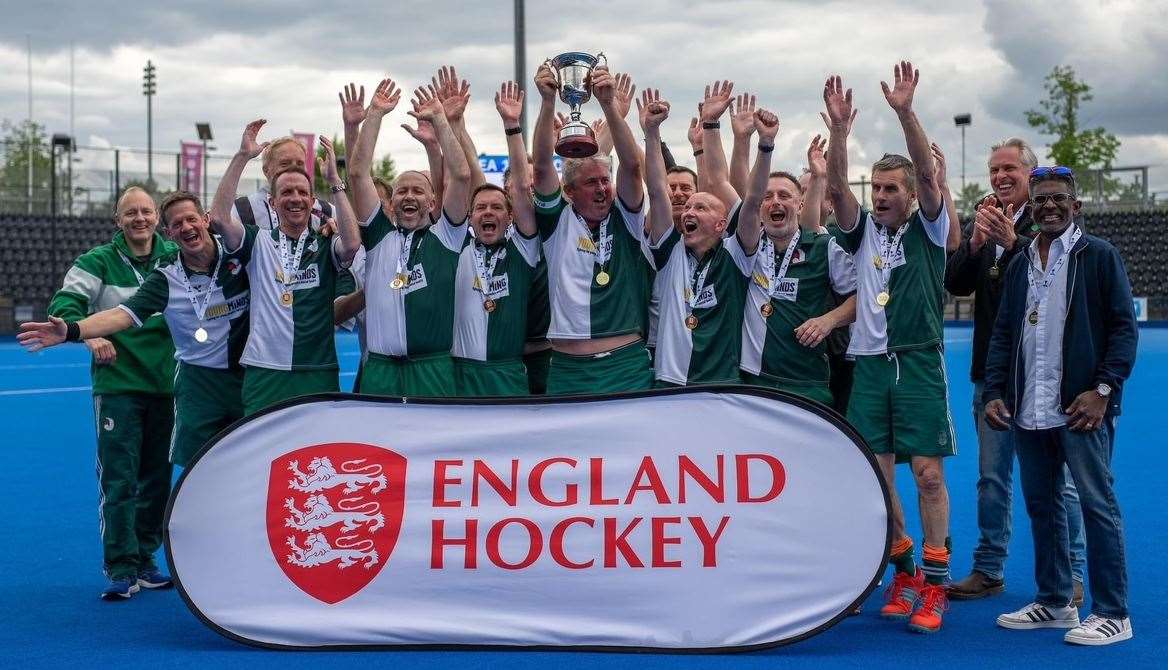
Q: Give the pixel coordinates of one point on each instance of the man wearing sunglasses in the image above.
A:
(1002, 229)
(1063, 343)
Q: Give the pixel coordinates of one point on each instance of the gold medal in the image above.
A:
(882, 298)
(201, 335)
(691, 322)
(878, 262)
(286, 298)
(398, 282)
(489, 305)
(1033, 318)
(602, 278)
(766, 310)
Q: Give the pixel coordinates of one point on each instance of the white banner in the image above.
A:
(691, 519)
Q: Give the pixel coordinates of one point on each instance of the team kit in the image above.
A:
(582, 280)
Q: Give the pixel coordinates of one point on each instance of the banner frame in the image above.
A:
(822, 411)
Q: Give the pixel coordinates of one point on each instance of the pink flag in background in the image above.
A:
(309, 142)
(192, 166)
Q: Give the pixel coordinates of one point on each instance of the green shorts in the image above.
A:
(206, 400)
(623, 369)
(820, 393)
(537, 370)
(430, 375)
(484, 379)
(264, 387)
(900, 404)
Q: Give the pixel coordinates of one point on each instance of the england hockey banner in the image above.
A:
(691, 519)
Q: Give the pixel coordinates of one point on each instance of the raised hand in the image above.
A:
(546, 82)
(509, 103)
(424, 133)
(900, 95)
(328, 163)
(35, 336)
(352, 104)
(385, 98)
(766, 123)
(742, 115)
(599, 126)
(625, 88)
(816, 160)
(559, 122)
(938, 163)
(452, 91)
(427, 106)
(603, 86)
(840, 114)
(717, 99)
(651, 109)
(249, 145)
(695, 133)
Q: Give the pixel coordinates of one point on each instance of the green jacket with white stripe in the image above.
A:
(102, 278)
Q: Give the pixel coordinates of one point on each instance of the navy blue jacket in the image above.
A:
(1099, 335)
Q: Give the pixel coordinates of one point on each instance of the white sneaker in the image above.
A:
(1040, 616)
(1097, 630)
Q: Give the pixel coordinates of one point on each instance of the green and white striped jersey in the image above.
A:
(214, 302)
(103, 278)
(295, 333)
(416, 318)
(782, 299)
(582, 308)
(491, 324)
(700, 316)
(911, 269)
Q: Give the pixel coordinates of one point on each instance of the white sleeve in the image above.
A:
(453, 236)
(841, 268)
(528, 247)
(634, 221)
(937, 230)
(369, 219)
(743, 260)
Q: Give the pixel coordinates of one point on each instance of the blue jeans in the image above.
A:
(1043, 458)
(995, 487)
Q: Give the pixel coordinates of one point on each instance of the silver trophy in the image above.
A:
(574, 72)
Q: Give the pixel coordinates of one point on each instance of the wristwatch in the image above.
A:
(1103, 390)
(338, 188)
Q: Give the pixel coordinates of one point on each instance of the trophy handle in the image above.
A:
(600, 56)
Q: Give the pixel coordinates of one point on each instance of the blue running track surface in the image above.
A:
(51, 573)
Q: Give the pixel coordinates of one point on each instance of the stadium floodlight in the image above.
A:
(962, 121)
(148, 90)
(204, 131)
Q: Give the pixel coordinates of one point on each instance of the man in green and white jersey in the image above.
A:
(593, 240)
(282, 153)
(495, 273)
(133, 379)
(537, 351)
(411, 260)
(790, 310)
(899, 400)
(293, 272)
(204, 298)
(704, 279)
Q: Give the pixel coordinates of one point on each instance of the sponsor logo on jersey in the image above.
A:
(786, 288)
(417, 279)
(307, 278)
(229, 309)
(333, 523)
(707, 298)
(498, 287)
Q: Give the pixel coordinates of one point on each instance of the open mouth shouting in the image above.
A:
(689, 224)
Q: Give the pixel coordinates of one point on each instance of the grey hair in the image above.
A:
(898, 162)
(572, 167)
(1028, 158)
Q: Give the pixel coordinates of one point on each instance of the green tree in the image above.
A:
(968, 197)
(1080, 149)
(19, 139)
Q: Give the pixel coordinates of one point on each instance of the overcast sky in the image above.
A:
(229, 62)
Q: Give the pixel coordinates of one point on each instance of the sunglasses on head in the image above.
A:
(1057, 171)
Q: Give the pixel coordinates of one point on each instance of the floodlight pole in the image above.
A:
(148, 90)
(962, 121)
(521, 59)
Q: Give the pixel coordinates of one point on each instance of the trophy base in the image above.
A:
(577, 146)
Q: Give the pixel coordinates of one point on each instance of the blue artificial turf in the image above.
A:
(52, 558)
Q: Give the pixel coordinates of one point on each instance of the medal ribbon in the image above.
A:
(201, 299)
(768, 260)
(403, 257)
(484, 271)
(887, 248)
(603, 244)
(1040, 291)
(288, 264)
(697, 281)
(137, 275)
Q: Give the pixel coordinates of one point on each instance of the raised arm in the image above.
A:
(543, 138)
(839, 118)
(349, 237)
(717, 100)
(352, 114)
(695, 142)
(812, 210)
(652, 111)
(742, 127)
(35, 336)
(509, 103)
(455, 96)
(383, 101)
(953, 238)
(230, 229)
(749, 226)
(456, 196)
(900, 98)
(629, 174)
